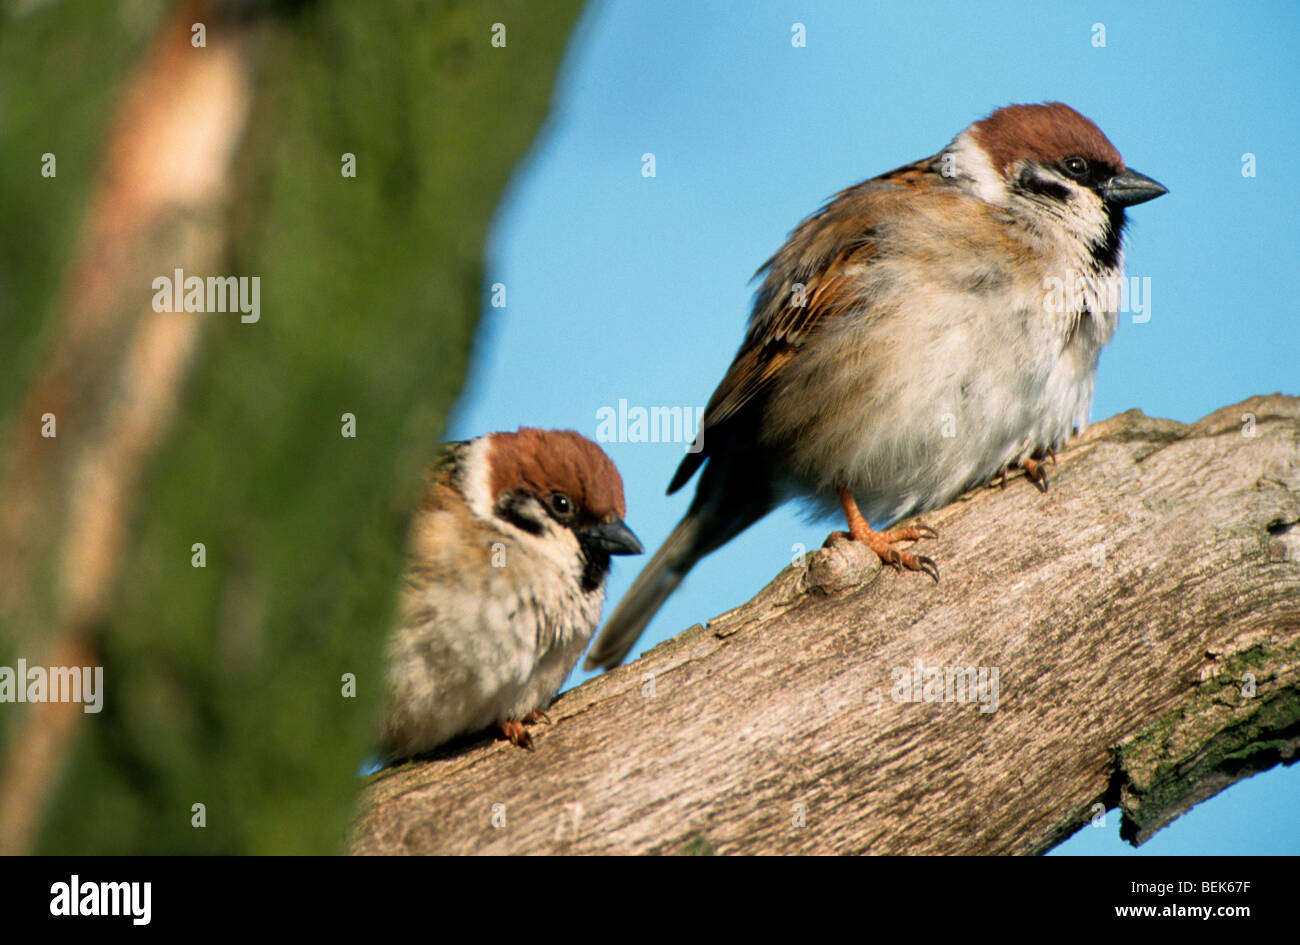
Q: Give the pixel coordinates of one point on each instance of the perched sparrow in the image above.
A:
(923, 331)
(509, 552)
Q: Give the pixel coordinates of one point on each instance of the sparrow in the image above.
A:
(509, 551)
(920, 333)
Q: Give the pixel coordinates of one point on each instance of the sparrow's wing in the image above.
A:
(813, 278)
(443, 469)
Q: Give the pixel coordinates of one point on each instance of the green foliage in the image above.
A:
(223, 684)
(60, 67)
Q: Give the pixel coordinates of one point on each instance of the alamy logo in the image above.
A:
(959, 684)
(78, 898)
(1077, 293)
(84, 684)
(181, 293)
(636, 424)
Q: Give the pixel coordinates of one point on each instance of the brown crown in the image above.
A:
(1045, 133)
(546, 461)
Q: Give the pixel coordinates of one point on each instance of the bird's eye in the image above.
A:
(1075, 166)
(560, 504)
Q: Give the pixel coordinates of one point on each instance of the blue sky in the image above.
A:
(620, 286)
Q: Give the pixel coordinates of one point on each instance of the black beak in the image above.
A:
(1129, 188)
(613, 538)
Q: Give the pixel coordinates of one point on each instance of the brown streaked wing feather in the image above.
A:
(818, 255)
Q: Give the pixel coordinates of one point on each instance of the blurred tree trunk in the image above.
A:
(200, 523)
(1143, 618)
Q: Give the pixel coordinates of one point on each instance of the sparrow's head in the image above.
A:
(557, 487)
(1050, 164)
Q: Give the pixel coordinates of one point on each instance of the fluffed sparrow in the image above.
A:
(920, 333)
(509, 552)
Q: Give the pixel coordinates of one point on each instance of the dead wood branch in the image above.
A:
(1143, 617)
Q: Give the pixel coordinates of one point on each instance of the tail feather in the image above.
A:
(646, 595)
(734, 492)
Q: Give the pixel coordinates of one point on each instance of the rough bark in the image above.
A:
(1143, 615)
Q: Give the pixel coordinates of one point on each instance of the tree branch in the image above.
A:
(1143, 618)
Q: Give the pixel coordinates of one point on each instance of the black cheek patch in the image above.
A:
(514, 508)
(1032, 184)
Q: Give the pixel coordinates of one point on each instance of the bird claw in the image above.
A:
(903, 533)
(1035, 473)
(900, 560)
(514, 730)
(882, 542)
(929, 567)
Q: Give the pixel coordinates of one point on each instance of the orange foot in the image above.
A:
(1034, 472)
(882, 543)
(514, 730)
(535, 716)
